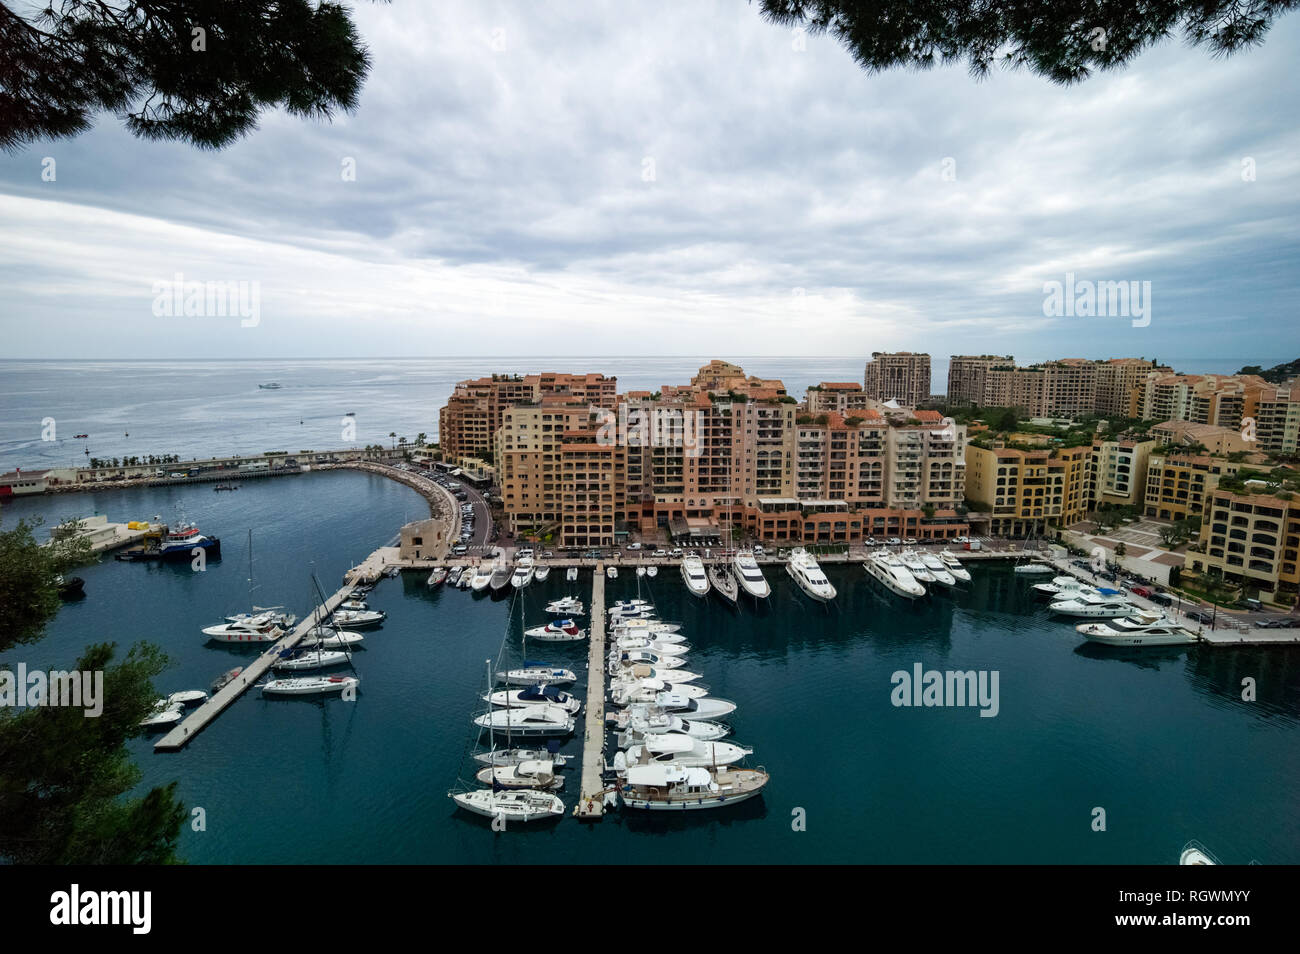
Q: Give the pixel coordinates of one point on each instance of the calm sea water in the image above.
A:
(198, 409)
(1162, 741)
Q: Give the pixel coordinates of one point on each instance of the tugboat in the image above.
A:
(179, 544)
(71, 588)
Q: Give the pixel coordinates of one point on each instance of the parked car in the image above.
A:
(894, 542)
(1162, 599)
(1200, 615)
(660, 553)
(1140, 591)
(675, 552)
(634, 546)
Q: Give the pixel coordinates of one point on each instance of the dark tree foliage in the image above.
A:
(65, 776)
(29, 572)
(1058, 39)
(143, 61)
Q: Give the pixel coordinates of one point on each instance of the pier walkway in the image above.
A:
(198, 720)
(591, 805)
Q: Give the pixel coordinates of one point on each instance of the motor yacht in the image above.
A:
(888, 570)
(1034, 569)
(358, 618)
(644, 627)
(163, 714)
(749, 576)
(481, 578)
(1099, 607)
(634, 657)
(254, 629)
(652, 571)
(436, 576)
(541, 573)
(272, 613)
(500, 572)
(571, 574)
(636, 722)
(694, 576)
(611, 572)
(559, 631)
(567, 606)
(523, 574)
(660, 787)
(807, 572)
(534, 774)
(1062, 586)
(687, 708)
(621, 669)
(680, 749)
(1148, 628)
(518, 805)
(959, 572)
(327, 638)
(633, 643)
(527, 721)
(648, 691)
(916, 566)
(938, 571)
(538, 695)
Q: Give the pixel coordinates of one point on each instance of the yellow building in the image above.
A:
(1025, 490)
(1250, 540)
(1178, 485)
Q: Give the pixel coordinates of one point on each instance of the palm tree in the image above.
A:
(420, 438)
(393, 435)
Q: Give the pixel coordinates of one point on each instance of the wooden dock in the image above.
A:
(198, 720)
(591, 804)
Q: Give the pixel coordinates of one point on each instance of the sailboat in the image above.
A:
(316, 657)
(281, 619)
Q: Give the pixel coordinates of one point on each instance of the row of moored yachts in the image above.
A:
(672, 754)
(1125, 623)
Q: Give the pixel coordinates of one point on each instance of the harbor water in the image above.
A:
(1162, 741)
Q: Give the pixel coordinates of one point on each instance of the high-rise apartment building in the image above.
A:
(968, 376)
(1178, 485)
(901, 376)
(1250, 540)
(1025, 490)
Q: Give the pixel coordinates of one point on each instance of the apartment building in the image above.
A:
(1117, 472)
(1218, 399)
(1250, 540)
(1178, 485)
(1119, 385)
(968, 376)
(836, 397)
(901, 376)
(592, 490)
(1024, 490)
(468, 422)
(1276, 415)
(1216, 440)
(529, 454)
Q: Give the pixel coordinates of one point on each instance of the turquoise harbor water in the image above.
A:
(1162, 741)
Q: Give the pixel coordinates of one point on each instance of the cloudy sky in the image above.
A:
(605, 178)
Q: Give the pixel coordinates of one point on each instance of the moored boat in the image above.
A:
(749, 576)
(1148, 628)
(659, 787)
(527, 721)
(309, 685)
(519, 805)
(959, 572)
(531, 674)
(537, 774)
(436, 576)
(722, 582)
(558, 631)
(693, 575)
(681, 750)
(888, 570)
(807, 573)
(540, 695)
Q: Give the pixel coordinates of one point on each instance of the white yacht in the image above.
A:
(1194, 853)
(707, 708)
(888, 570)
(1061, 586)
(1096, 607)
(694, 576)
(327, 638)
(681, 749)
(621, 605)
(541, 573)
(436, 577)
(636, 723)
(559, 631)
(1034, 569)
(307, 659)
(915, 566)
(283, 620)
(1148, 628)
(482, 578)
(749, 576)
(937, 570)
(531, 675)
(648, 692)
(538, 695)
(959, 572)
(523, 574)
(186, 697)
(659, 787)
(358, 618)
(640, 571)
(309, 685)
(527, 722)
(643, 627)
(571, 574)
(535, 774)
(164, 713)
(632, 643)
(500, 572)
(515, 756)
(254, 629)
(652, 571)
(519, 805)
(611, 572)
(807, 572)
(622, 658)
(626, 669)
(566, 606)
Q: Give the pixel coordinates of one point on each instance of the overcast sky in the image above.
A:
(611, 178)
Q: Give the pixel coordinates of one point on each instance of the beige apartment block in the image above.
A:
(1118, 472)
(1219, 441)
(1250, 540)
(901, 376)
(1025, 490)
(968, 376)
(1178, 485)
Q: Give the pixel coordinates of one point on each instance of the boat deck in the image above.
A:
(591, 804)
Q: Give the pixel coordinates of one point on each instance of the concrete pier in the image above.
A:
(199, 719)
(591, 804)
